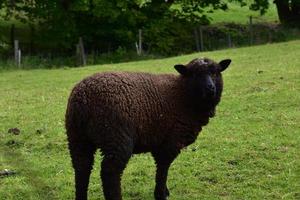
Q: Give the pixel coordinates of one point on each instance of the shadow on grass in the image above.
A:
(26, 169)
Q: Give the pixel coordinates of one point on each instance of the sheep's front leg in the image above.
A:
(161, 191)
(163, 158)
(114, 162)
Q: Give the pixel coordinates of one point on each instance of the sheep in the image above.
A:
(126, 113)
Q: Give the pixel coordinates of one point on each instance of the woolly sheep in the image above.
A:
(123, 113)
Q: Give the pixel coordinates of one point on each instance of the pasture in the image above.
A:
(250, 150)
(240, 15)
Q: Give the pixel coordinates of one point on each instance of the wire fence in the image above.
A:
(201, 38)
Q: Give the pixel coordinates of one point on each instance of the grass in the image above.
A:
(250, 150)
(240, 15)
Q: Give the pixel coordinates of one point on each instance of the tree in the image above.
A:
(288, 11)
(110, 24)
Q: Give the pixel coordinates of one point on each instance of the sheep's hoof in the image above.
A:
(161, 194)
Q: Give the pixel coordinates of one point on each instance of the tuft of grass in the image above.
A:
(250, 150)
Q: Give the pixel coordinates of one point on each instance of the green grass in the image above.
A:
(250, 150)
(240, 15)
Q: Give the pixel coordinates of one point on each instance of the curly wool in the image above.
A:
(123, 113)
(154, 107)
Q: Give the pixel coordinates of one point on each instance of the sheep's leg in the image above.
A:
(163, 158)
(161, 191)
(114, 162)
(82, 155)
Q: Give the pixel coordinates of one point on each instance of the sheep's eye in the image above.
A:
(213, 76)
(211, 72)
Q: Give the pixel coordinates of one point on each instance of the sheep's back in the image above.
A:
(136, 100)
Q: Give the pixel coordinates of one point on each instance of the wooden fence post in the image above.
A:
(80, 54)
(270, 35)
(137, 48)
(201, 39)
(78, 57)
(196, 39)
(17, 53)
(19, 58)
(251, 30)
(16, 48)
(140, 45)
(229, 40)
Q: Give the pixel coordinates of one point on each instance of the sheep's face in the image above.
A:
(204, 79)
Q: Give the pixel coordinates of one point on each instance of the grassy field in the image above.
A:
(240, 15)
(250, 150)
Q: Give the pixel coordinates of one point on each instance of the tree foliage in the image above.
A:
(288, 10)
(102, 23)
(106, 25)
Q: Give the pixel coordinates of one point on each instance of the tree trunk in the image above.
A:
(91, 5)
(295, 12)
(283, 10)
(12, 35)
(288, 11)
(157, 8)
(66, 4)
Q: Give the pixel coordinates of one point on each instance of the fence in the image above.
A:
(233, 35)
(199, 38)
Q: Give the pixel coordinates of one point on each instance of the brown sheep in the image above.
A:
(123, 113)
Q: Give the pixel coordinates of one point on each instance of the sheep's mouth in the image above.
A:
(211, 113)
(209, 100)
(208, 95)
(208, 107)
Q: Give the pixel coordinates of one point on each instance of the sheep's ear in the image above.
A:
(181, 69)
(224, 64)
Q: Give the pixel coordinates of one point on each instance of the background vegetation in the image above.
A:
(250, 150)
(48, 31)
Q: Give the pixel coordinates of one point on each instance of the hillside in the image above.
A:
(250, 150)
(240, 15)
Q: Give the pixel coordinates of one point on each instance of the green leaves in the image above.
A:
(106, 25)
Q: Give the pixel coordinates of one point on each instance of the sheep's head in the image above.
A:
(204, 81)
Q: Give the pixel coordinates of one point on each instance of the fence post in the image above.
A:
(80, 52)
(17, 53)
(229, 40)
(270, 36)
(196, 39)
(201, 39)
(19, 58)
(78, 57)
(251, 30)
(140, 46)
(137, 48)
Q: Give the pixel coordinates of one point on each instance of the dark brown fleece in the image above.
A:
(124, 113)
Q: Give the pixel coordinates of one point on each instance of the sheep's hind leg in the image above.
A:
(82, 155)
(163, 158)
(114, 162)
